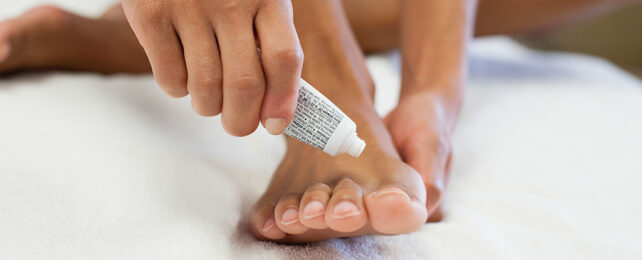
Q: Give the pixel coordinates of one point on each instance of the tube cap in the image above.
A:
(357, 147)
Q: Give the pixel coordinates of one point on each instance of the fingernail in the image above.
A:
(314, 209)
(290, 216)
(268, 225)
(275, 126)
(389, 191)
(5, 49)
(345, 209)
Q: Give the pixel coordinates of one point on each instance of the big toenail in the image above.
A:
(314, 209)
(268, 225)
(290, 216)
(390, 191)
(345, 209)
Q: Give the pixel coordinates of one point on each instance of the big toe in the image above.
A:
(393, 211)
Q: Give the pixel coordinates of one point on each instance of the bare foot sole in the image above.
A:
(48, 37)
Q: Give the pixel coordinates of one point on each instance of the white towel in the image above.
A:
(547, 165)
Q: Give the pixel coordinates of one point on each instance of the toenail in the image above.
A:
(290, 216)
(314, 209)
(389, 191)
(345, 209)
(268, 225)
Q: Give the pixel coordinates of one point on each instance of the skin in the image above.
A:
(208, 49)
(398, 181)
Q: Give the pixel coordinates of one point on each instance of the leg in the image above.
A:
(107, 44)
(422, 122)
(376, 26)
(313, 196)
(50, 38)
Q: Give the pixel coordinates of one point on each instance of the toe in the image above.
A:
(346, 212)
(393, 211)
(263, 224)
(287, 214)
(313, 205)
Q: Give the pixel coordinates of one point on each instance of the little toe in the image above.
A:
(346, 212)
(313, 205)
(393, 211)
(287, 215)
(263, 224)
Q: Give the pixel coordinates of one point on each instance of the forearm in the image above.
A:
(434, 37)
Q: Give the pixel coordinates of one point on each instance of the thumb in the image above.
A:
(430, 163)
(278, 105)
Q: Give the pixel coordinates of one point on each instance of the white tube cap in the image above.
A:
(352, 145)
(357, 147)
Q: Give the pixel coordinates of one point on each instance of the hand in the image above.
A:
(420, 127)
(208, 49)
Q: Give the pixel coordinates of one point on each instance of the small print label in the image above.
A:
(314, 120)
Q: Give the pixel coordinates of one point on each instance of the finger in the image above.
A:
(204, 74)
(243, 82)
(430, 159)
(155, 32)
(282, 60)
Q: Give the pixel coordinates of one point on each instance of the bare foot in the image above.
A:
(314, 197)
(51, 38)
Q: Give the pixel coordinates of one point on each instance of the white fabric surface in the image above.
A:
(548, 161)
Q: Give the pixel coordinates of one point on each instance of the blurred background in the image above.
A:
(616, 36)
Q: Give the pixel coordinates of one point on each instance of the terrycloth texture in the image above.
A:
(548, 164)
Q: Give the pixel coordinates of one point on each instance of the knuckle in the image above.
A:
(290, 97)
(151, 11)
(319, 187)
(289, 58)
(232, 6)
(345, 183)
(290, 197)
(205, 84)
(248, 86)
